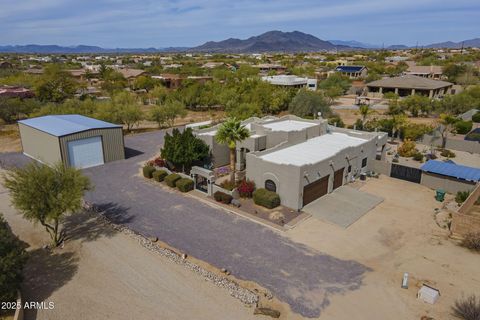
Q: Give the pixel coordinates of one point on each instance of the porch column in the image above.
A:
(413, 92)
(430, 94)
(396, 90)
(239, 162)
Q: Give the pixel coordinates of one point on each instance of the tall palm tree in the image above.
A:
(230, 133)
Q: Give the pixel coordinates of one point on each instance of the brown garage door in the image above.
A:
(338, 178)
(315, 190)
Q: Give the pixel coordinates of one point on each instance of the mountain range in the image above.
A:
(272, 41)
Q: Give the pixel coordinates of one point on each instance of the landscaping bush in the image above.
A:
(184, 184)
(228, 185)
(463, 127)
(471, 241)
(407, 149)
(159, 175)
(157, 162)
(418, 156)
(148, 171)
(447, 153)
(172, 179)
(265, 198)
(12, 260)
(476, 117)
(467, 308)
(461, 196)
(245, 188)
(222, 197)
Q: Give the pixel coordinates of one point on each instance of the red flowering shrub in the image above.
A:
(245, 188)
(157, 162)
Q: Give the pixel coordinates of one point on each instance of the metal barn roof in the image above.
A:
(61, 125)
(452, 170)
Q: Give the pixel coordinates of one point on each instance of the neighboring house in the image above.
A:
(299, 159)
(75, 140)
(409, 85)
(353, 72)
(265, 68)
(174, 81)
(213, 65)
(291, 81)
(15, 92)
(431, 72)
(6, 65)
(130, 73)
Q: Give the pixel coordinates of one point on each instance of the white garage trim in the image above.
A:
(85, 153)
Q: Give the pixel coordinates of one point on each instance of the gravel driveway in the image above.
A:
(296, 274)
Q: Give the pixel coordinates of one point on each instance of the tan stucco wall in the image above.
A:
(40, 145)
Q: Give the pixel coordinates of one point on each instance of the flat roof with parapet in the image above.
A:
(288, 125)
(61, 125)
(313, 150)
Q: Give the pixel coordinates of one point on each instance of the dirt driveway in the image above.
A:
(399, 235)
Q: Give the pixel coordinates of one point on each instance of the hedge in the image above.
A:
(476, 117)
(172, 179)
(148, 171)
(265, 198)
(159, 175)
(184, 184)
(222, 197)
(463, 127)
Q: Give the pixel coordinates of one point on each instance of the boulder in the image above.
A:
(236, 203)
(267, 312)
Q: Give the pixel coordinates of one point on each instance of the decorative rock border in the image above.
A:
(234, 289)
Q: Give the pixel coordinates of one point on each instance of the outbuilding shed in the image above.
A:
(75, 140)
(449, 176)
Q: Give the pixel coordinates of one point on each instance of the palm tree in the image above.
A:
(229, 133)
(364, 111)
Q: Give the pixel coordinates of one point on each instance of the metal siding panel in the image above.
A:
(112, 141)
(39, 145)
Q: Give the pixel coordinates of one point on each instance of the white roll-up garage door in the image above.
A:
(85, 153)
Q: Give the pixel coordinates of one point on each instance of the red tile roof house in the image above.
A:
(15, 92)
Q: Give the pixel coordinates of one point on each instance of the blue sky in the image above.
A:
(149, 23)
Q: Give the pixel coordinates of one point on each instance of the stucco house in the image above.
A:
(299, 159)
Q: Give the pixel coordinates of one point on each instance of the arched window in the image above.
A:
(270, 186)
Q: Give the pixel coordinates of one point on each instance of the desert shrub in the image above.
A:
(407, 149)
(228, 185)
(467, 308)
(159, 175)
(447, 153)
(265, 198)
(471, 241)
(418, 156)
(172, 179)
(463, 127)
(431, 156)
(148, 171)
(461, 196)
(476, 117)
(184, 184)
(222, 197)
(245, 188)
(12, 260)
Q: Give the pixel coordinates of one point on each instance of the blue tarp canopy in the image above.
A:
(452, 170)
(61, 125)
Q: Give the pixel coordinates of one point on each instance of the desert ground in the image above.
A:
(101, 274)
(399, 235)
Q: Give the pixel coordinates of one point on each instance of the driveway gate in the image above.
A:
(406, 173)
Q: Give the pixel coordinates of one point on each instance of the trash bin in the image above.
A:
(440, 195)
(363, 176)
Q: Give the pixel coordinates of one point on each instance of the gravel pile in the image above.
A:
(234, 289)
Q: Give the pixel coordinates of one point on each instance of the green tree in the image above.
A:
(365, 111)
(12, 260)
(55, 85)
(46, 194)
(398, 121)
(165, 115)
(144, 82)
(336, 81)
(183, 148)
(416, 104)
(13, 109)
(113, 81)
(124, 108)
(446, 125)
(243, 110)
(230, 133)
(309, 103)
